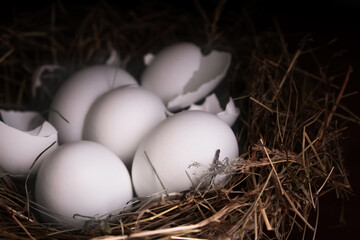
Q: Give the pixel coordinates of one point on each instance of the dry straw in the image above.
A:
(289, 129)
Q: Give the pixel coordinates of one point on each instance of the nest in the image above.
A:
(289, 129)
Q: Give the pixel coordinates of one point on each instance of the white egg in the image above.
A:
(181, 75)
(82, 178)
(181, 148)
(74, 98)
(23, 137)
(121, 118)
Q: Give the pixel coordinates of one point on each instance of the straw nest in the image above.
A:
(289, 129)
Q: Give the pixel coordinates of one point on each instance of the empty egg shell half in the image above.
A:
(212, 105)
(75, 97)
(24, 135)
(181, 75)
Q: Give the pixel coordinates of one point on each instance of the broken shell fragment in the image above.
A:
(180, 75)
(39, 73)
(24, 136)
(148, 58)
(113, 59)
(230, 114)
(212, 105)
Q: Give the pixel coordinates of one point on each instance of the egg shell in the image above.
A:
(82, 178)
(212, 70)
(212, 105)
(170, 70)
(78, 93)
(120, 119)
(181, 75)
(180, 147)
(38, 75)
(24, 135)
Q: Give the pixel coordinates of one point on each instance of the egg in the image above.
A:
(121, 118)
(74, 98)
(23, 137)
(181, 75)
(82, 178)
(179, 151)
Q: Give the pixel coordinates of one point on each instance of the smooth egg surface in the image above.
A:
(181, 149)
(121, 118)
(82, 178)
(74, 98)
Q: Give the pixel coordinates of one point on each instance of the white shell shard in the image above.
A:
(148, 58)
(212, 70)
(36, 79)
(23, 121)
(114, 58)
(212, 105)
(181, 75)
(23, 137)
(230, 114)
(75, 97)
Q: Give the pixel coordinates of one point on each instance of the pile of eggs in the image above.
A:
(106, 126)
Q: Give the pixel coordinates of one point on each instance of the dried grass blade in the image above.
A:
(7, 54)
(213, 218)
(297, 54)
(261, 104)
(312, 145)
(337, 102)
(297, 211)
(186, 238)
(23, 227)
(245, 218)
(272, 166)
(327, 178)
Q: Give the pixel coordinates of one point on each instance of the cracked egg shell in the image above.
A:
(24, 135)
(212, 105)
(181, 147)
(75, 97)
(181, 75)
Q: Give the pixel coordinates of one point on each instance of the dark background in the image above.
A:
(325, 21)
(333, 19)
